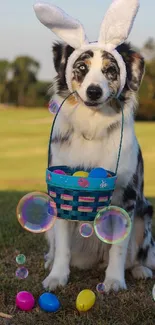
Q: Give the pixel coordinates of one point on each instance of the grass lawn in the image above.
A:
(23, 157)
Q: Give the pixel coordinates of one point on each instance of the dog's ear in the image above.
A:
(135, 71)
(135, 66)
(61, 53)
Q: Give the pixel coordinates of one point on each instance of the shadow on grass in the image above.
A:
(125, 308)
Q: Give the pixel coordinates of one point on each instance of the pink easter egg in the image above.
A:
(59, 171)
(83, 182)
(49, 177)
(25, 300)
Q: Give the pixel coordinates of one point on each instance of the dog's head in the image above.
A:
(95, 74)
(95, 71)
(95, 77)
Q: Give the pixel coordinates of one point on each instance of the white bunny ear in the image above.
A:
(118, 22)
(67, 28)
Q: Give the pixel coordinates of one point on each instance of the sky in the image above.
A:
(22, 34)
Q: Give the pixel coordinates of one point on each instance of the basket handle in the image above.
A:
(49, 146)
(121, 137)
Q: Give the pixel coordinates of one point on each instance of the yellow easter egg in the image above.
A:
(85, 300)
(81, 173)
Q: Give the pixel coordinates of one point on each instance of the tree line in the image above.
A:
(19, 84)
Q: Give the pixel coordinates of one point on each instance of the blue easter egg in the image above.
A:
(98, 173)
(49, 302)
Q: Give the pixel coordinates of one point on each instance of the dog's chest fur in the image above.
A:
(84, 138)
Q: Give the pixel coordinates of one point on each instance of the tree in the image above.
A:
(24, 70)
(148, 49)
(4, 70)
(37, 94)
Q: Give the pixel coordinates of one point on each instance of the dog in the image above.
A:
(87, 134)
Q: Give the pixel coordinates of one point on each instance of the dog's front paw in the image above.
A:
(141, 272)
(48, 261)
(112, 284)
(56, 279)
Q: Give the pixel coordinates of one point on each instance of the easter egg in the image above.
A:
(25, 300)
(59, 171)
(80, 174)
(85, 300)
(83, 182)
(98, 173)
(49, 302)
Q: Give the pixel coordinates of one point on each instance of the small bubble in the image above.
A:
(86, 230)
(21, 259)
(45, 257)
(53, 107)
(100, 287)
(22, 273)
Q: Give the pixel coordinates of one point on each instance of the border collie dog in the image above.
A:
(87, 134)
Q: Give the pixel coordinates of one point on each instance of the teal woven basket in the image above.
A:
(77, 198)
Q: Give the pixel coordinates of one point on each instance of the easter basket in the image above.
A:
(77, 198)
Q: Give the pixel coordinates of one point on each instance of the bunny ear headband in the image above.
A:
(115, 28)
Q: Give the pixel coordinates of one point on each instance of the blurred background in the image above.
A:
(26, 70)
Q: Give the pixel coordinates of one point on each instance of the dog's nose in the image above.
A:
(94, 92)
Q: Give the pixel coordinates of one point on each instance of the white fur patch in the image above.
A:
(93, 46)
(60, 271)
(141, 272)
(95, 77)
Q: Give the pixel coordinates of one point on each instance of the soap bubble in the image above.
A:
(36, 212)
(86, 230)
(22, 273)
(53, 107)
(112, 225)
(21, 259)
(100, 287)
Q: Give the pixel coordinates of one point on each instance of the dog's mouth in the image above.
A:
(89, 104)
(93, 104)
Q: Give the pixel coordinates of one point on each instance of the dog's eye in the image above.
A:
(112, 71)
(82, 67)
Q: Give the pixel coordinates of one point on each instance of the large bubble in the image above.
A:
(112, 225)
(36, 212)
